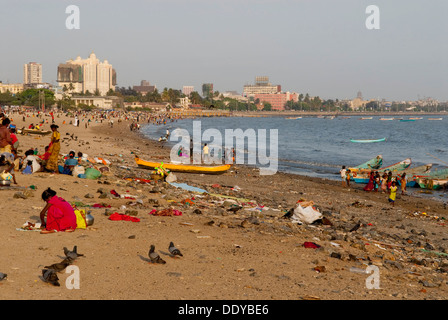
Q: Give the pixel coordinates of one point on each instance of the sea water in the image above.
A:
(319, 147)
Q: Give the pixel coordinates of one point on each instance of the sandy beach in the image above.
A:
(254, 253)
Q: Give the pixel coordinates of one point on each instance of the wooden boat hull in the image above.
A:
(362, 176)
(374, 163)
(183, 167)
(38, 132)
(432, 184)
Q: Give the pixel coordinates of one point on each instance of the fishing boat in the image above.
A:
(374, 163)
(415, 118)
(35, 131)
(406, 120)
(387, 119)
(174, 167)
(366, 118)
(435, 118)
(293, 118)
(432, 184)
(413, 173)
(368, 140)
(362, 176)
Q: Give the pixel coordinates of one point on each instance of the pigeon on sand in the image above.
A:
(174, 251)
(50, 276)
(58, 267)
(72, 254)
(154, 256)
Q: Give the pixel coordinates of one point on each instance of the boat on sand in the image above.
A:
(174, 167)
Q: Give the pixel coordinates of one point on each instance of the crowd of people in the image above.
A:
(385, 182)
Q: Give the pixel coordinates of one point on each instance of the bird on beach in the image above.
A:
(154, 256)
(174, 251)
(50, 276)
(235, 209)
(72, 254)
(3, 276)
(356, 227)
(58, 267)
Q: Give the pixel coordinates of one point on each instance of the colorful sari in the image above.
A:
(60, 215)
(52, 163)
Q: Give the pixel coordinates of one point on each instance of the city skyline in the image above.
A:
(321, 48)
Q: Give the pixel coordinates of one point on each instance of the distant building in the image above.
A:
(277, 100)
(107, 102)
(357, 103)
(184, 102)
(261, 86)
(87, 75)
(14, 88)
(187, 90)
(234, 95)
(207, 90)
(32, 73)
(144, 87)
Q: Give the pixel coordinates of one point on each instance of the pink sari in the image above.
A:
(60, 215)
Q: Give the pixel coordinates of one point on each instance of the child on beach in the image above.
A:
(384, 183)
(60, 214)
(348, 177)
(403, 182)
(393, 193)
(343, 178)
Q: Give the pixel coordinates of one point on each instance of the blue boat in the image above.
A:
(368, 141)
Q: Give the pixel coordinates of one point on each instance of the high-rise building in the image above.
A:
(32, 73)
(261, 86)
(87, 75)
(186, 90)
(207, 90)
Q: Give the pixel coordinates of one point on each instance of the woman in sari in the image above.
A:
(60, 214)
(370, 185)
(55, 147)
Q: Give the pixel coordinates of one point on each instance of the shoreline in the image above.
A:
(427, 195)
(251, 254)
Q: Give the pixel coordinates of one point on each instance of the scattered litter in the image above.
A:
(311, 245)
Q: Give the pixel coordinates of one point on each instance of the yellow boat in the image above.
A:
(183, 167)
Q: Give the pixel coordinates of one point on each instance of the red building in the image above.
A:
(277, 100)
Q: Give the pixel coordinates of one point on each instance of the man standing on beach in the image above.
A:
(343, 177)
(205, 153)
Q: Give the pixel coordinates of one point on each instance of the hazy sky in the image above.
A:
(320, 47)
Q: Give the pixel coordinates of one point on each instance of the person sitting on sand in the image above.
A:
(69, 164)
(80, 158)
(5, 136)
(60, 214)
(44, 157)
(30, 157)
(7, 164)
